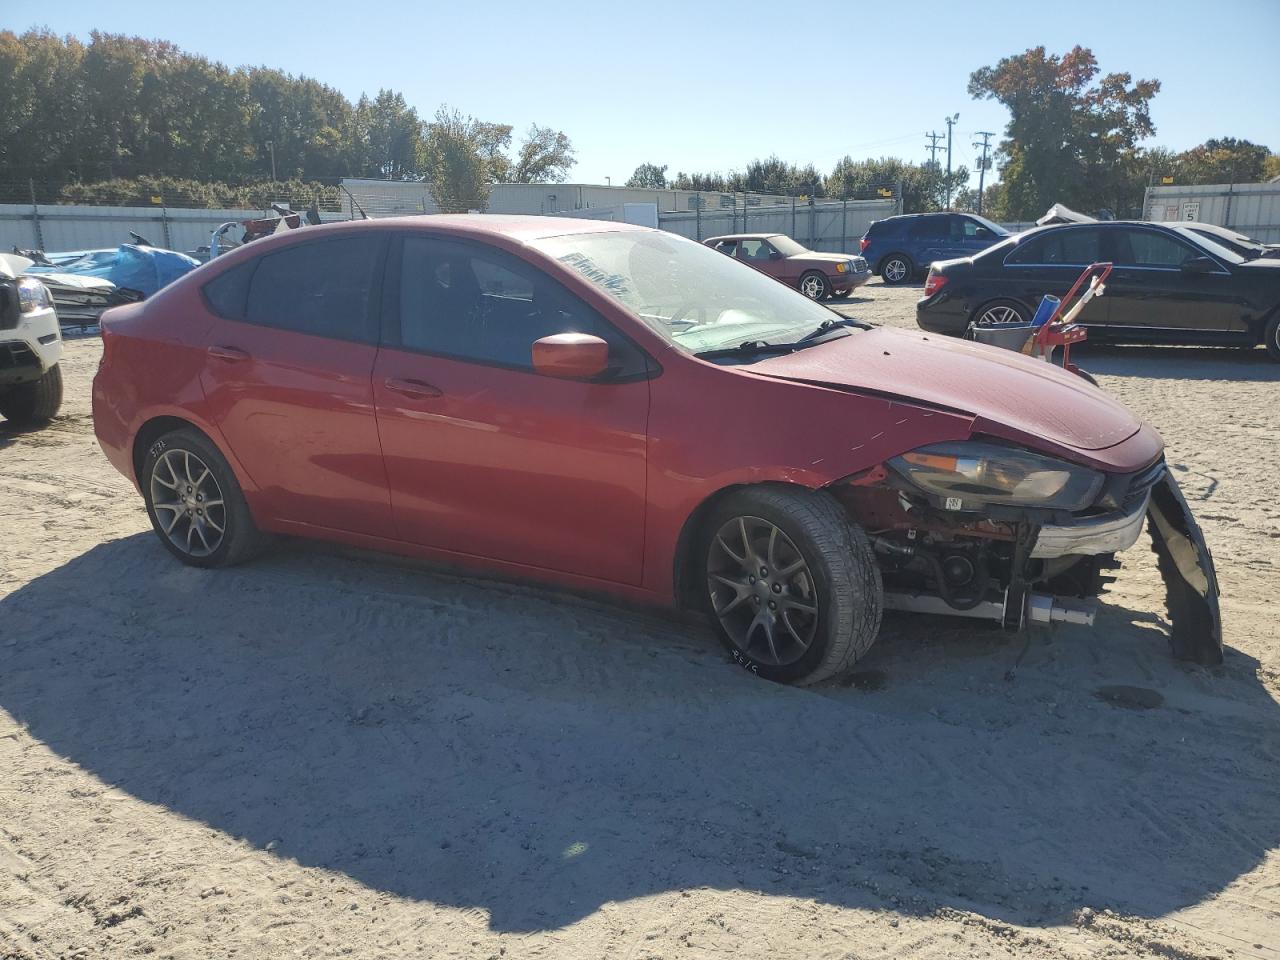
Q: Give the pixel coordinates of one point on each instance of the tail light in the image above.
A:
(933, 283)
(863, 244)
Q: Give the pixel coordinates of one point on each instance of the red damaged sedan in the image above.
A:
(610, 408)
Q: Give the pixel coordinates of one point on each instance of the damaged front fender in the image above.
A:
(1191, 583)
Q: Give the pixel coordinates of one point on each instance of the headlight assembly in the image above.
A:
(33, 295)
(970, 473)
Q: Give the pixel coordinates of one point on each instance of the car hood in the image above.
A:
(1009, 395)
(816, 257)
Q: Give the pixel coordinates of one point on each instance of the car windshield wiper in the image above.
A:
(752, 347)
(826, 326)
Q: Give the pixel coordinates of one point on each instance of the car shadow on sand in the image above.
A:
(536, 756)
(1178, 363)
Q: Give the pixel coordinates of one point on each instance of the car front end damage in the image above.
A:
(997, 532)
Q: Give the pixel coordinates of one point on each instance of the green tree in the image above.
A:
(924, 185)
(649, 175)
(457, 173)
(1271, 168)
(492, 140)
(710, 182)
(1223, 160)
(545, 156)
(1072, 136)
(388, 137)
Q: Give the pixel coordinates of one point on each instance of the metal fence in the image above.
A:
(1250, 208)
(833, 226)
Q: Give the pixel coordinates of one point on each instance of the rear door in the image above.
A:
(486, 457)
(931, 239)
(288, 373)
(1149, 289)
(1049, 263)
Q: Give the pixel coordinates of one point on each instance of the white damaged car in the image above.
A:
(30, 347)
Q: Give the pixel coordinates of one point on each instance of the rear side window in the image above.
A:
(1074, 247)
(227, 293)
(931, 228)
(322, 287)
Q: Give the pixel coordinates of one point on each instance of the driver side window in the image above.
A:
(481, 305)
(754, 249)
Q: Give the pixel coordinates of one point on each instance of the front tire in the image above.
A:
(792, 587)
(1271, 339)
(815, 286)
(897, 269)
(34, 403)
(195, 503)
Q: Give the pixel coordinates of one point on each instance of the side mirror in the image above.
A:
(1199, 265)
(775, 255)
(982, 233)
(570, 356)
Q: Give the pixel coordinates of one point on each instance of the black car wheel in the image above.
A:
(1272, 338)
(1001, 311)
(791, 584)
(897, 268)
(815, 286)
(195, 504)
(29, 404)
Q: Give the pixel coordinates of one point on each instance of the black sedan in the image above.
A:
(1169, 285)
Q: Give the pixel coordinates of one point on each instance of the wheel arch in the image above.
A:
(151, 431)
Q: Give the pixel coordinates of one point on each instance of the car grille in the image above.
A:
(859, 264)
(15, 354)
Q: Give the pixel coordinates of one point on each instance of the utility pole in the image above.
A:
(982, 164)
(933, 147)
(271, 145)
(950, 123)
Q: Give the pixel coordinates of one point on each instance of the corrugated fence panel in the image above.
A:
(1250, 208)
(833, 226)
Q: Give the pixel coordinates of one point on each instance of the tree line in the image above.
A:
(119, 109)
(1074, 137)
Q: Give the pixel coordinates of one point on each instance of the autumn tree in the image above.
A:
(1072, 137)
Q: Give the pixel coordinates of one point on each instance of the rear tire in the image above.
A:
(815, 286)
(792, 586)
(1001, 311)
(34, 403)
(897, 269)
(195, 503)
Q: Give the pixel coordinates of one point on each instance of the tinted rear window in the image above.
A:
(1073, 247)
(226, 293)
(322, 287)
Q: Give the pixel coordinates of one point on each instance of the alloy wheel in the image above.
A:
(998, 314)
(895, 271)
(762, 591)
(188, 502)
(813, 287)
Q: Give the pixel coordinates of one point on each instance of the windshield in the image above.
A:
(695, 297)
(995, 228)
(786, 246)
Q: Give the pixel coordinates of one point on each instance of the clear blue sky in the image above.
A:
(711, 86)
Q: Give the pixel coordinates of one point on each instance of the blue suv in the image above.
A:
(900, 248)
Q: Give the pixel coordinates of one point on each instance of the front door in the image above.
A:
(290, 355)
(1150, 290)
(484, 456)
(1050, 263)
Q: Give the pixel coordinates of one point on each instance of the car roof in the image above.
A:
(521, 228)
(743, 236)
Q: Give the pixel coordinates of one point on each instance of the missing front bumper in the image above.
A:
(1191, 582)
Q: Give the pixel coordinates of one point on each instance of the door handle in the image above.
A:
(228, 354)
(413, 389)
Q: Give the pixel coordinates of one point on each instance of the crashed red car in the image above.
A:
(617, 409)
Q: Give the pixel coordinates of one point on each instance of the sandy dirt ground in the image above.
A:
(325, 755)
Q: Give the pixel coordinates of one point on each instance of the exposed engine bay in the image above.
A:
(1020, 565)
